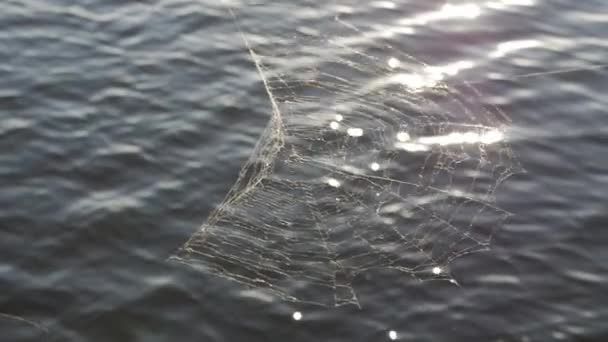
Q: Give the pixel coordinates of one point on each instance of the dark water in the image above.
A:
(123, 124)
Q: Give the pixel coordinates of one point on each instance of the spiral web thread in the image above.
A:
(370, 160)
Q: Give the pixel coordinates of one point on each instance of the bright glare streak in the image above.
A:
(465, 11)
(355, 132)
(505, 48)
(488, 137)
(518, 2)
(502, 4)
(411, 147)
(448, 11)
(384, 4)
(414, 81)
(492, 137)
(450, 69)
(297, 316)
(432, 75)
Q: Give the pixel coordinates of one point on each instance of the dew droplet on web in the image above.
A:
(297, 316)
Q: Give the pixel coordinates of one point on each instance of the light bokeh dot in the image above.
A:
(392, 335)
(393, 62)
(437, 270)
(297, 316)
(333, 182)
(403, 136)
(355, 132)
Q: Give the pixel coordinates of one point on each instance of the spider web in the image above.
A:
(369, 160)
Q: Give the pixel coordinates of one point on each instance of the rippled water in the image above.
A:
(123, 124)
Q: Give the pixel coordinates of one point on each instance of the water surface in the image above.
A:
(124, 124)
